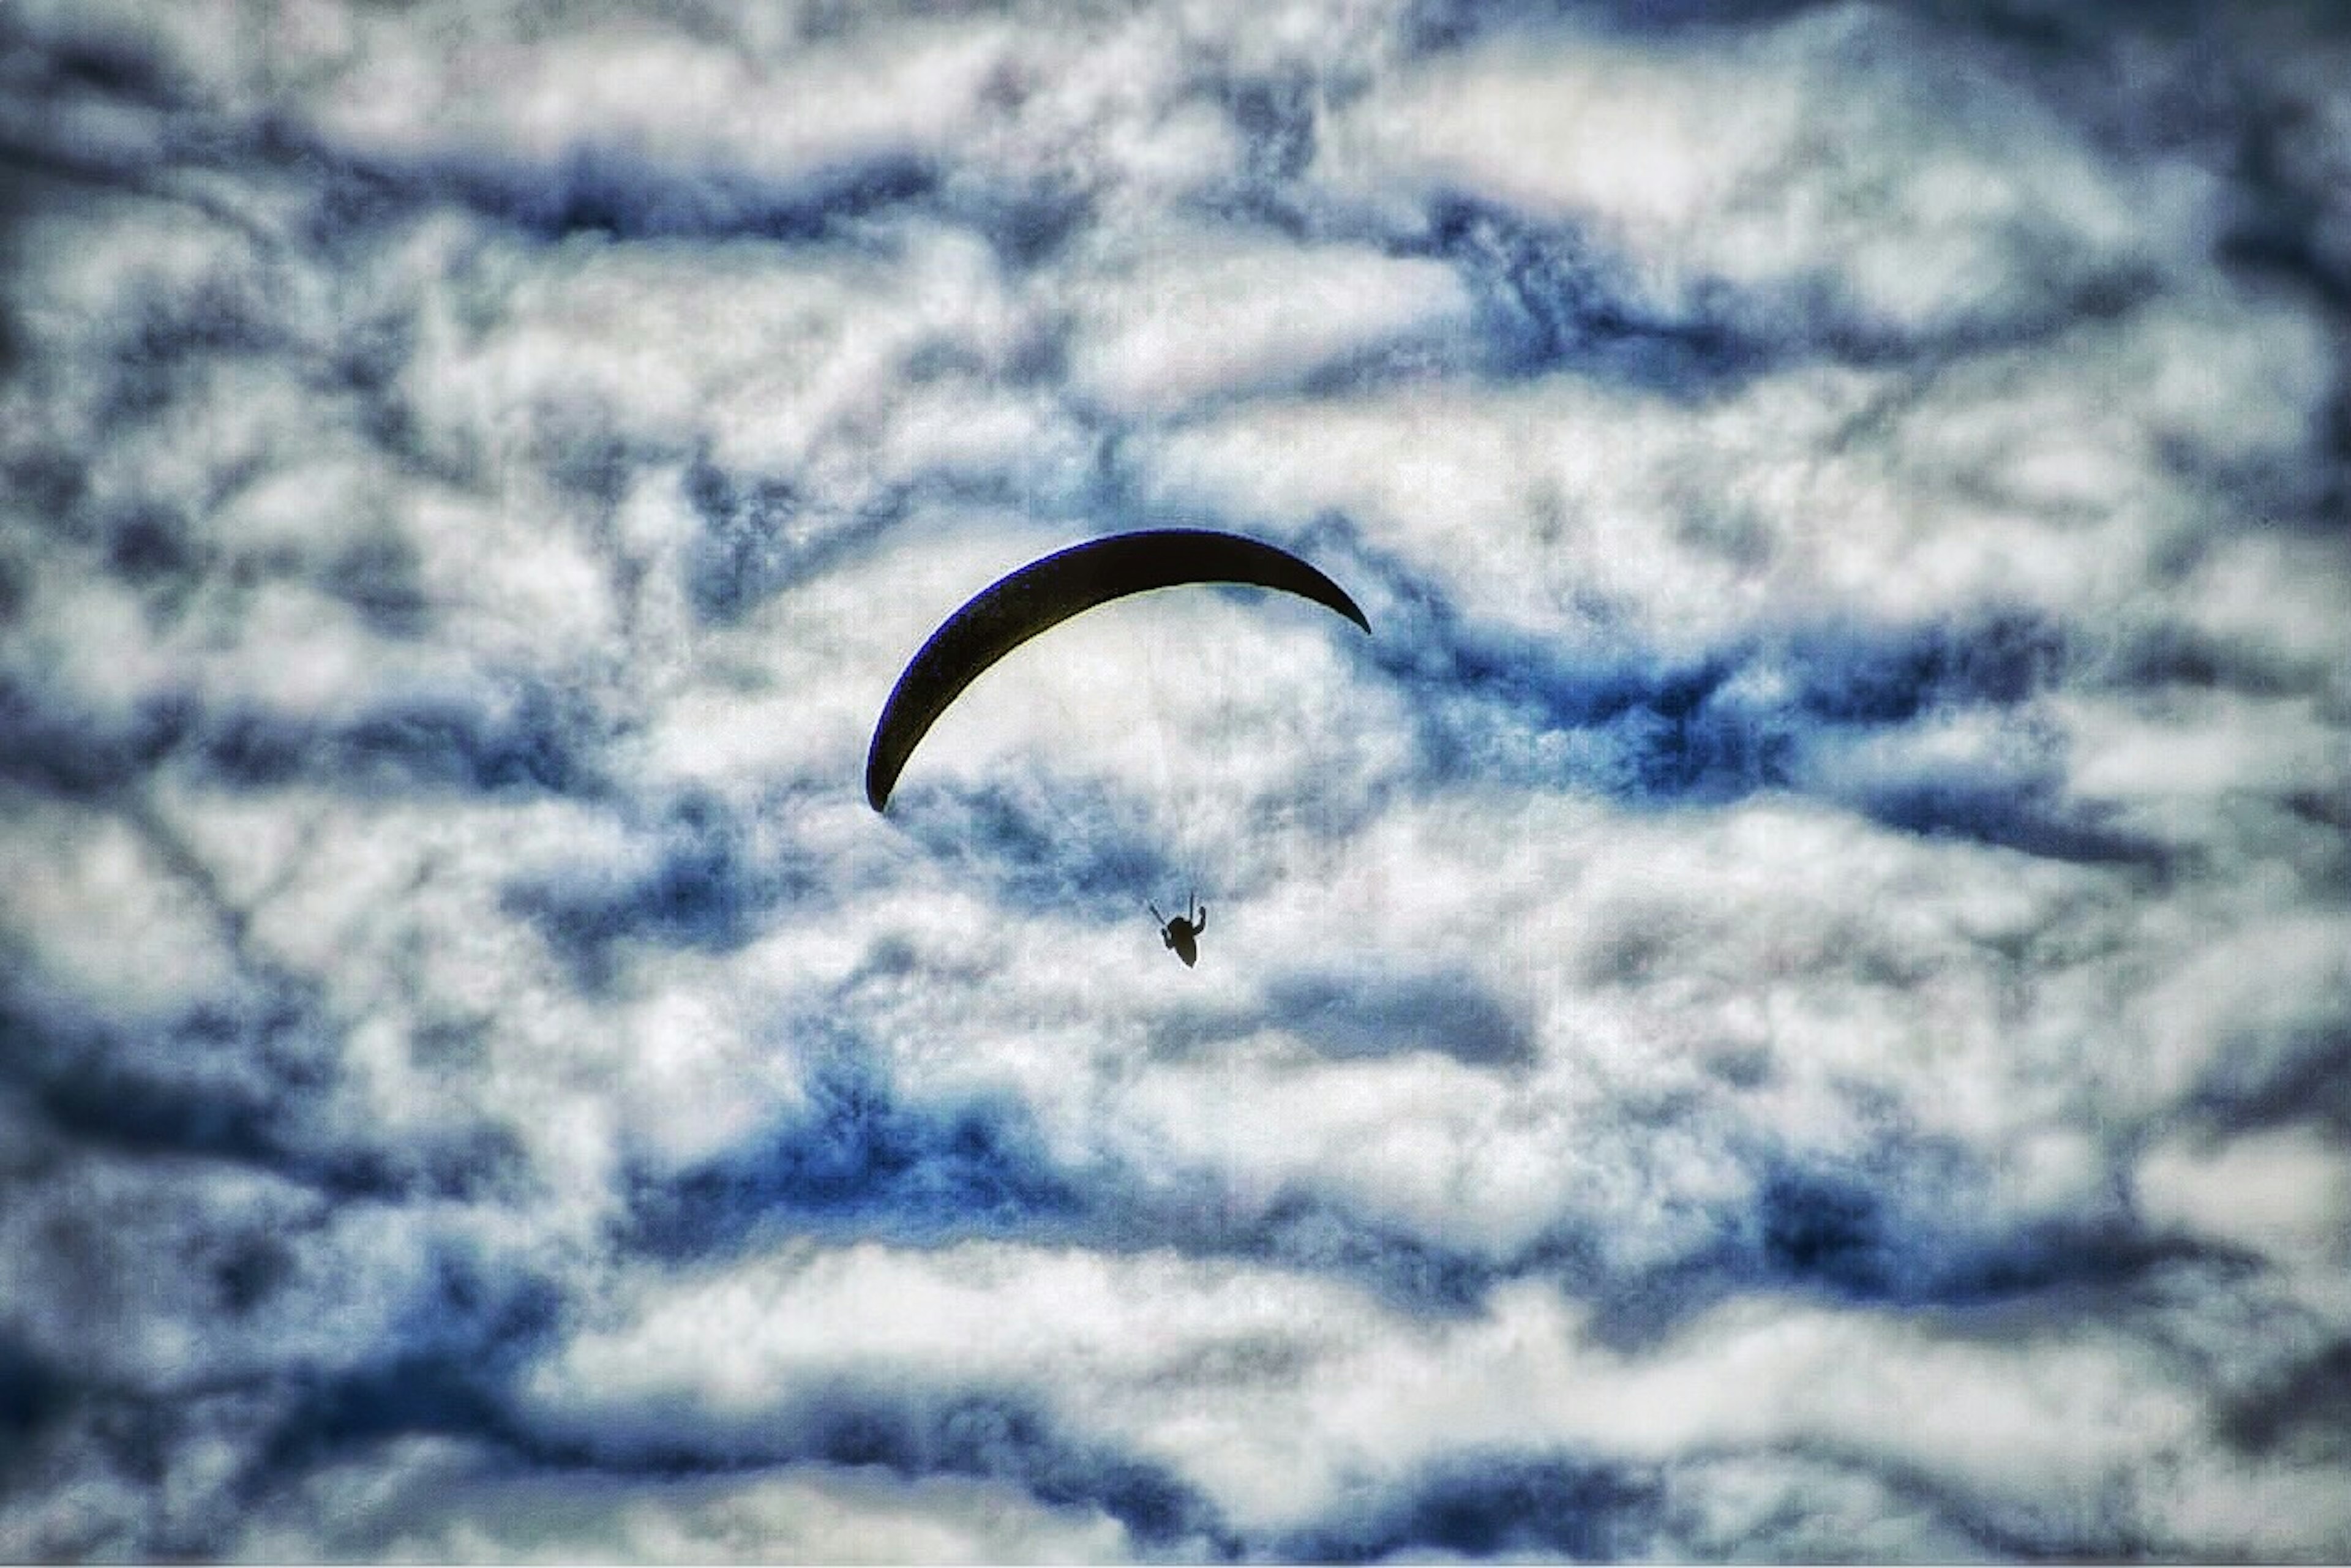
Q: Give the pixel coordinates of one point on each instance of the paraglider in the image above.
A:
(1179, 936)
(1044, 594)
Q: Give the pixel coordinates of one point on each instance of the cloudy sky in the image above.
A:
(1794, 1000)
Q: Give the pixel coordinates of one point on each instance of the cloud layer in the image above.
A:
(1793, 1001)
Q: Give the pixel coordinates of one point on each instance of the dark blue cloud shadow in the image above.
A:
(2283, 208)
(762, 536)
(1679, 732)
(381, 576)
(450, 1374)
(78, 755)
(2298, 1074)
(1905, 1224)
(1550, 300)
(861, 1160)
(1275, 113)
(703, 884)
(1551, 1505)
(2303, 1410)
(2001, 1526)
(539, 742)
(247, 1078)
(1439, 26)
(909, 1431)
(32, 1394)
(1992, 806)
(1005, 1436)
(89, 58)
(607, 190)
(445, 1366)
(1485, 1504)
(1316, 1233)
(1842, 1233)
(1026, 223)
(442, 1367)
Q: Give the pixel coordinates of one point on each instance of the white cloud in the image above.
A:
(658, 339)
(2202, 745)
(1799, 1506)
(2238, 1011)
(84, 888)
(1278, 1396)
(1183, 316)
(2044, 478)
(2284, 1193)
(2269, 597)
(496, 85)
(1843, 157)
(427, 1501)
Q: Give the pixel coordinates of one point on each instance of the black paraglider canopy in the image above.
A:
(1046, 592)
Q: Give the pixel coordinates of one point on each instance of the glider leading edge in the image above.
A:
(1044, 594)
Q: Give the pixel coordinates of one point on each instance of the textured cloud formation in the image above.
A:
(1793, 1001)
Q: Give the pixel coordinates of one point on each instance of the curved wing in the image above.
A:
(1044, 594)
